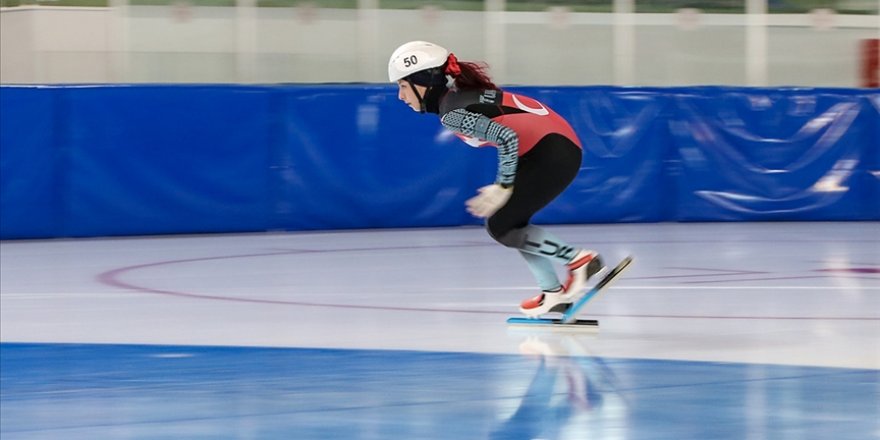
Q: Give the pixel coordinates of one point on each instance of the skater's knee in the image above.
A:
(506, 235)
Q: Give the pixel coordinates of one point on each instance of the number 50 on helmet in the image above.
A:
(413, 57)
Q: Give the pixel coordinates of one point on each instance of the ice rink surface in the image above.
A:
(717, 331)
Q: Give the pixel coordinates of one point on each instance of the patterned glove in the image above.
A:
(489, 200)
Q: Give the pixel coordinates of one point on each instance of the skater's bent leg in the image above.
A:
(543, 173)
(533, 240)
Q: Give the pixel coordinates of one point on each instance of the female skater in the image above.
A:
(539, 155)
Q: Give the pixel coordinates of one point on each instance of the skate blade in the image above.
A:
(591, 284)
(562, 308)
(554, 324)
(597, 290)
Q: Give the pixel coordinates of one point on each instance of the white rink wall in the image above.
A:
(179, 44)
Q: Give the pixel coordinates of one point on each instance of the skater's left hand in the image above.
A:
(489, 200)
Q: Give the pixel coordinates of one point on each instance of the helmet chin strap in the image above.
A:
(421, 98)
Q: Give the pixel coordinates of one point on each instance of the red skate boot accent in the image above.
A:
(545, 302)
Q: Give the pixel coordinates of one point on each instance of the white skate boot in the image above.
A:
(584, 265)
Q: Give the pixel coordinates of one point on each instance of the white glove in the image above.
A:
(489, 200)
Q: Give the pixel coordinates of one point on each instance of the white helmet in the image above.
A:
(415, 56)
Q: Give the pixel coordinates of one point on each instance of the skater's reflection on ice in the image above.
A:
(567, 394)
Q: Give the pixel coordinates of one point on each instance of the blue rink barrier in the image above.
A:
(81, 161)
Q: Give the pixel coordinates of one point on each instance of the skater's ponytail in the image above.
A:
(469, 75)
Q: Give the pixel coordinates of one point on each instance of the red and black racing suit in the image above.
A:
(539, 153)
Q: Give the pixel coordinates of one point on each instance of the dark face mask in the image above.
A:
(435, 81)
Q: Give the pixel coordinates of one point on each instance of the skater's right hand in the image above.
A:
(489, 200)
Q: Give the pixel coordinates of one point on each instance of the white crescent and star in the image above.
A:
(542, 111)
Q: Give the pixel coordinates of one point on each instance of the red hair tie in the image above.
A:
(452, 67)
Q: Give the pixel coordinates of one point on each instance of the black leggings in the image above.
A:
(541, 175)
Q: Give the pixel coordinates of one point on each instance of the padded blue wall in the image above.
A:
(78, 161)
(31, 169)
